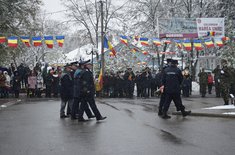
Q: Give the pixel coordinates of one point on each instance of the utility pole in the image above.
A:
(102, 36)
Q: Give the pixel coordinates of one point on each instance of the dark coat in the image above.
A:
(66, 87)
(87, 83)
(172, 79)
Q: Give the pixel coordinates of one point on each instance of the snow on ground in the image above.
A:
(223, 107)
(229, 113)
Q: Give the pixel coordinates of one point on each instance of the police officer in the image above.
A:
(129, 77)
(77, 70)
(225, 77)
(172, 79)
(160, 76)
(66, 90)
(88, 93)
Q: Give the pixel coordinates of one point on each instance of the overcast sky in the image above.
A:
(54, 6)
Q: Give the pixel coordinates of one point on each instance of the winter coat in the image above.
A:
(172, 79)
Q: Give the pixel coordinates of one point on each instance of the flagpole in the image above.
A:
(102, 36)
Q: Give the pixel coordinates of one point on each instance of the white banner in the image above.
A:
(205, 25)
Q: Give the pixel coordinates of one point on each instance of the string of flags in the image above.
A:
(13, 41)
(187, 44)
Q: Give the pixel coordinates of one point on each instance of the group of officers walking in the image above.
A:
(78, 91)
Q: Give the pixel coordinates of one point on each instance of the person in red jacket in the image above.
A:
(210, 82)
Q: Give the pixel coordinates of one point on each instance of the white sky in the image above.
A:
(54, 6)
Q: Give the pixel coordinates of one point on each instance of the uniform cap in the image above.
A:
(168, 60)
(174, 62)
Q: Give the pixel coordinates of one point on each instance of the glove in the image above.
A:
(222, 72)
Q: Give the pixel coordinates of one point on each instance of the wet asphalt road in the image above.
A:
(34, 128)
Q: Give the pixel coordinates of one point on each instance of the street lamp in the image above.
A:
(93, 51)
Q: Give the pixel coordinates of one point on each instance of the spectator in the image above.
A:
(210, 82)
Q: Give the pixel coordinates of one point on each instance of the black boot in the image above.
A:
(185, 113)
(160, 112)
(165, 116)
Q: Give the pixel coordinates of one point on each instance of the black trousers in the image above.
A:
(176, 99)
(85, 100)
(78, 107)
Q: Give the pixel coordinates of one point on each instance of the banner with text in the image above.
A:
(215, 25)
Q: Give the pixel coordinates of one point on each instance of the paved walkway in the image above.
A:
(209, 106)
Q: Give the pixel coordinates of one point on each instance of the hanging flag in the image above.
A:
(178, 44)
(2, 39)
(209, 43)
(37, 41)
(137, 38)
(123, 39)
(25, 40)
(144, 41)
(12, 42)
(187, 45)
(134, 50)
(219, 42)
(49, 41)
(212, 33)
(60, 40)
(225, 38)
(197, 44)
(100, 80)
(109, 46)
(157, 41)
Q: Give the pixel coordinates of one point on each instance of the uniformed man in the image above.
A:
(216, 72)
(129, 77)
(88, 93)
(225, 77)
(172, 79)
(203, 81)
(77, 92)
(66, 90)
(160, 76)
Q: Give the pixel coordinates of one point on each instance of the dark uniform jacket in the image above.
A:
(66, 86)
(87, 83)
(172, 79)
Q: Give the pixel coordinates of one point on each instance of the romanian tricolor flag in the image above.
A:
(144, 41)
(211, 33)
(209, 43)
(60, 40)
(137, 38)
(49, 41)
(157, 42)
(187, 45)
(37, 41)
(123, 39)
(178, 44)
(2, 39)
(25, 40)
(109, 46)
(197, 44)
(12, 42)
(219, 42)
(100, 80)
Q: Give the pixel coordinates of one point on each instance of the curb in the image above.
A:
(207, 114)
(10, 103)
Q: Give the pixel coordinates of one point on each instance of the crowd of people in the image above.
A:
(223, 81)
(68, 83)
